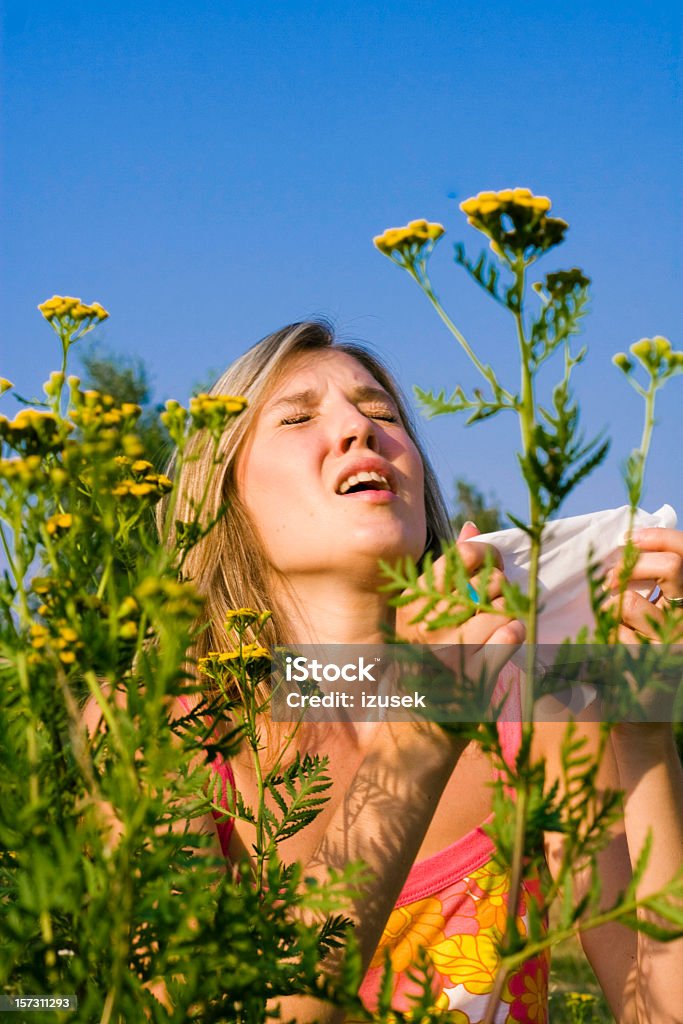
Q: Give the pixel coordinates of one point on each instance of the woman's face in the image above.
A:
(329, 474)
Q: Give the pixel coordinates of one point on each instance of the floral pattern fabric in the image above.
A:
(457, 928)
(453, 911)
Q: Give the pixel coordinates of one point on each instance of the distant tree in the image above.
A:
(127, 380)
(470, 504)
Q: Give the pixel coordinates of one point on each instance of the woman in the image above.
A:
(302, 538)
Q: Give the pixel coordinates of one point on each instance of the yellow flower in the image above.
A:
(416, 238)
(487, 202)
(39, 635)
(5, 385)
(656, 355)
(251, 656)
(132, 446)
(214, 412)
(128, 606)
(515, 221)
(64, 307)
(241, 617)
(59, 523)
(622, 361)
(128, 630)
(32, 431)
(142, 490)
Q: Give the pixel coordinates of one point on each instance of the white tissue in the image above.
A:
(568, 544)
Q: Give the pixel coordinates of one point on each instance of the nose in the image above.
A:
(355, 430)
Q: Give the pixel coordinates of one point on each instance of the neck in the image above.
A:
(333, 610)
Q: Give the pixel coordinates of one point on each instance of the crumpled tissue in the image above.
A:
(568, 544)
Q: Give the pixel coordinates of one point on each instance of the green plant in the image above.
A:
(554, 459)
(105, 864)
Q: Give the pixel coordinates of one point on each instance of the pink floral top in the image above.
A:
(454, 906)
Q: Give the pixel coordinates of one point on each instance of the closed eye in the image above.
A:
(386, 415)
(299, 417)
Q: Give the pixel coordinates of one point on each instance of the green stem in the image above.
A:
(8, 552)
(485, 372)
(643, 452)
(527, 417)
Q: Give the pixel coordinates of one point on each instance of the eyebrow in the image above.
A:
(361, 393)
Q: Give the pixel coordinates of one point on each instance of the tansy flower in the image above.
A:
(409, 245)
(5, 385)
(64, 307)
(516, 222)
(33, 431)
(59, 523)
(656, 355)
(214, 412)
(243, 617)
(251, 656)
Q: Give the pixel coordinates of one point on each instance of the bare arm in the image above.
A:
(641, 978)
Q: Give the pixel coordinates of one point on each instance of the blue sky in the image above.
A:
(210, 171)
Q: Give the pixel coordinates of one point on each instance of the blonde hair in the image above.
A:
(229, 566)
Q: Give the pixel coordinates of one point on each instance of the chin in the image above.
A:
(389, 545)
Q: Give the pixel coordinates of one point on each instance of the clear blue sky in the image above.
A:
(210, 171)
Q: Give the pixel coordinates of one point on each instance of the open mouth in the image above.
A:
(364, 481)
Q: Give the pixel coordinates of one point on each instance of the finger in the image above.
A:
(468, 530)
(478, 663)
(666, 567)
(657, 538)
(475, 553)
(639, 614)
(497, 651)
(483, 626)
(494, 585)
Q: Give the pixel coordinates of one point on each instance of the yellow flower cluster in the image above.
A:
(490, 202)
(655, 354)
(241, 618)
(57, 593)
(128, 614)
(174, 418)
(105, 426)
(63, 641)
(27, 471)
(64, 307)
(214, 412)
(143, 483)
(59, 523)
(252, 657)
(179, 600)
(33, 431)
(95, 409)
(516, 222)
(409, 240)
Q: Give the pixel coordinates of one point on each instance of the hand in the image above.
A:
(660, 561)
(487, 640)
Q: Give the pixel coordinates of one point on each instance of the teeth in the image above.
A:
(362, 477)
